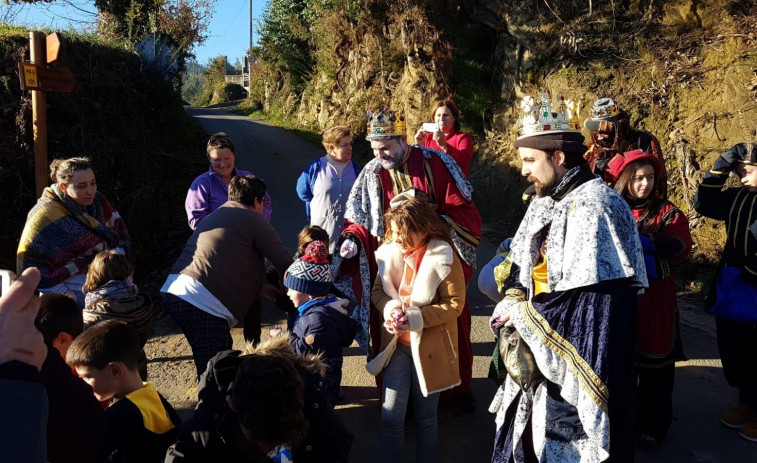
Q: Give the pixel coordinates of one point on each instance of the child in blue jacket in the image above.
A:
(323, 324)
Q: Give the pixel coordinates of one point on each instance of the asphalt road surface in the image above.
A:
(278, 156)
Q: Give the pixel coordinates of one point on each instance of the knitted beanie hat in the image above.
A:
(311, 273)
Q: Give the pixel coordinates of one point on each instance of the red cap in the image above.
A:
(618, 164)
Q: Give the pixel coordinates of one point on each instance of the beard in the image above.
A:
(546, 187)
(394, 160)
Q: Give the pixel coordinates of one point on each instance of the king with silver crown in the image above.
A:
(577, 267)
(540, 118)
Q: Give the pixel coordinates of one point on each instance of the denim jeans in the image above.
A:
(401, 380)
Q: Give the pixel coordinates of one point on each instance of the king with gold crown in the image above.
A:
(400, 167)
(571, 296)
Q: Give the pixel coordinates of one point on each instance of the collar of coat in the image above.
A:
(435, 267)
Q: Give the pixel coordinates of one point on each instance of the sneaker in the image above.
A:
(749, 431)
(738, 417)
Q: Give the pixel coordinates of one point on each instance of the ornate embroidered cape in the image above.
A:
(581, 332)
(435, 173)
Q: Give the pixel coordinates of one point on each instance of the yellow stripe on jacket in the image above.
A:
(149, 404)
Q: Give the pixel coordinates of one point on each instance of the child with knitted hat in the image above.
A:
(323, 324)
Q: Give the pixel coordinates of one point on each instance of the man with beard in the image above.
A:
(399, 167)
(571, 295)
(612, 135)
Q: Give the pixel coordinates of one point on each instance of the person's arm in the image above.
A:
(317, 336)
(461, 148)
(23, 400)
(197, 203)
(463, 213)
(270, 245)
(384, 303)
(53, 269)
(303, 189)
(711, 200)
(115, 222)
(448, 305)
(674, 241)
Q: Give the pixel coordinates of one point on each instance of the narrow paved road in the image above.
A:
(278, 156)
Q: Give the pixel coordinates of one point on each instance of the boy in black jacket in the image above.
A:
(141, 423)
(737, 281)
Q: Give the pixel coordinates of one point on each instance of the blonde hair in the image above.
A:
(106, 266)
(332, 135)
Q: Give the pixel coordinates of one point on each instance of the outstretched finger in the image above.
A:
(21, 295)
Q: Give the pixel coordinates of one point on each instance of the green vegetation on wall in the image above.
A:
(144, 146)
(685, 70)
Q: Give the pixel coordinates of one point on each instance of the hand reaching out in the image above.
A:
(19, 338)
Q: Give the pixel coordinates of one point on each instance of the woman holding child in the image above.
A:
(419, 354)
(70, 223)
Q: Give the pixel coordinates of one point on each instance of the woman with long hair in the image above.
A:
(665, 238)
(68, 226)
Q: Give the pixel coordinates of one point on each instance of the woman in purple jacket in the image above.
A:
(211, 189)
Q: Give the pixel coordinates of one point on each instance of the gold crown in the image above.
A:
(386, 123)
(539, 117)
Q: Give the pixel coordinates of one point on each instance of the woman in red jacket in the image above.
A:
(665, 238)
(448, 137)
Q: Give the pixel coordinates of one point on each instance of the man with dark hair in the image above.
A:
(76, 423)
(398, 167)
(571, 296)
(221, 270)
(59, 320)
(141, 423)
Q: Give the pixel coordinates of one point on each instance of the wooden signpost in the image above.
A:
(36, 76)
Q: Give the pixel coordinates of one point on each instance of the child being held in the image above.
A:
(141, 423)
(323, 324)
(110, 294)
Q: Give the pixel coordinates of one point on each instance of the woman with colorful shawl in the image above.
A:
(70, 223)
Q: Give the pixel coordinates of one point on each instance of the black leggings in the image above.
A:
(207, 334)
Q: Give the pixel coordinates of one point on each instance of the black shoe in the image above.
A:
(467, 402)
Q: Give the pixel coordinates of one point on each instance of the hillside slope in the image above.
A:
(685, 69)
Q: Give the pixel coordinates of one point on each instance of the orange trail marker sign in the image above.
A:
(52, 43)
(44, 79)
